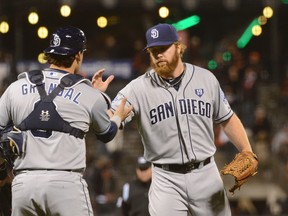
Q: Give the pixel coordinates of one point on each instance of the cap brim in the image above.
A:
(159, 44)
(60, 51)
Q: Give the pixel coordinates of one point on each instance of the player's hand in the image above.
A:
(123, 110)
(97, 80)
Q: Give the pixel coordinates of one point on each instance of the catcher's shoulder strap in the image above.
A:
(44, 118)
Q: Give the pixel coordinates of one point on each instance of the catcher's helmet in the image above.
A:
(67, 41)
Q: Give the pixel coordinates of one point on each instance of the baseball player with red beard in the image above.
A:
(175, 105)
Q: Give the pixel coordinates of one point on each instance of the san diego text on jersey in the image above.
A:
(186, 106)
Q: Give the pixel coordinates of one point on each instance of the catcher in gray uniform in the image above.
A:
(175, 105)
(54, 108)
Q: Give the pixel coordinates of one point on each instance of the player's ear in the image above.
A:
(78, 56)
(178, 47)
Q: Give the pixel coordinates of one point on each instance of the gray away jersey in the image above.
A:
(81, 105)
(177, 126)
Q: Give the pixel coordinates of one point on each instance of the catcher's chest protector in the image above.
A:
(44, 118)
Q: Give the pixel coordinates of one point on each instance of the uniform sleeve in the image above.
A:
(222, 109)
(104, 128)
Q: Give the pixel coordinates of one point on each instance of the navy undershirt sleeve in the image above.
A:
(110, 134)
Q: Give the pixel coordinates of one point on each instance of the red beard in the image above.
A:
(167, 69)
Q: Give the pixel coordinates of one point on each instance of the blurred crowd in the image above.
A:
(260, 102)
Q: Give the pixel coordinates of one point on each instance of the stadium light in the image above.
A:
(247, 35)
(186, 23)
(4, 27)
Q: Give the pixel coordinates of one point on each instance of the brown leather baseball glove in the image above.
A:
(242, 167)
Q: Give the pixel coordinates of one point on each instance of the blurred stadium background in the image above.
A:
(243, 42)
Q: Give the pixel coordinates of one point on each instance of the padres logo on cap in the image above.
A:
(56, 40)
(154, 33)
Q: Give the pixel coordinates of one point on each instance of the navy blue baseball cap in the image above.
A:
(161, 35)
(67, 41)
